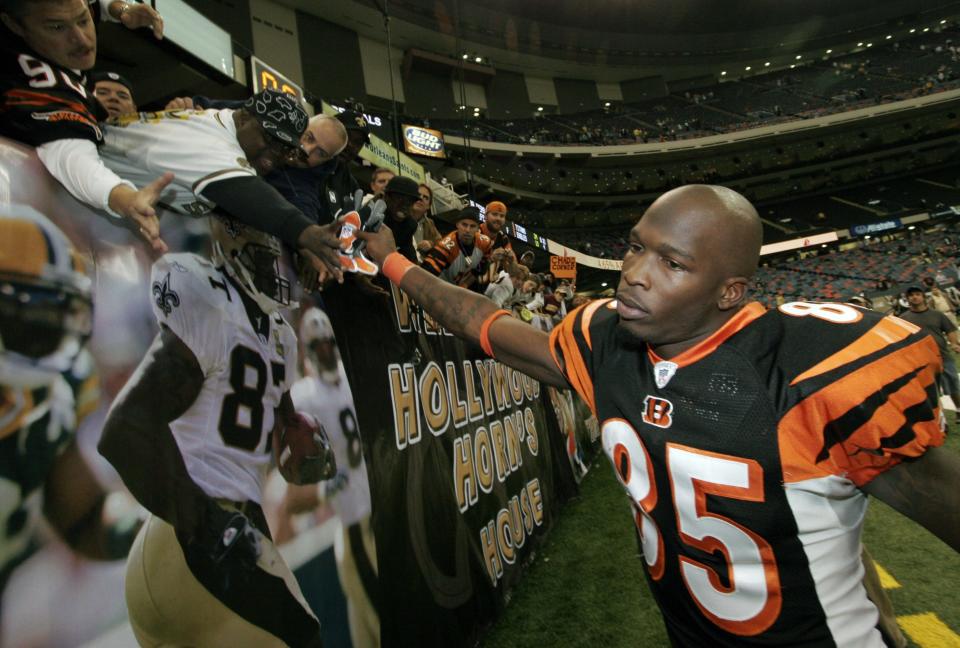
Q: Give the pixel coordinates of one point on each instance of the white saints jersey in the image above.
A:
(332, 404)
(198, 146)
(248, 363)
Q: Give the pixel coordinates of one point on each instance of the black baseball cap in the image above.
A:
(913, 289)
(95, 77)
(280, 114)
(354, 121)
(403, 187)
(470, 212)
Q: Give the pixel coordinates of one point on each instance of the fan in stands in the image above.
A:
(303, 453)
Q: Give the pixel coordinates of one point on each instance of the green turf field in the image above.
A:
(586, 587)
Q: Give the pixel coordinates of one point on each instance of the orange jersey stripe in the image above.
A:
(887, 331)
(563, 339)
(809, 429)
(589, 309)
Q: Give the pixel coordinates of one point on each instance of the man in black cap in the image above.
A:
(459, 256)
(943, 331)
(113, 91)
(400, 195)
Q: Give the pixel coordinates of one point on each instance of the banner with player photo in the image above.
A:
(467, 463)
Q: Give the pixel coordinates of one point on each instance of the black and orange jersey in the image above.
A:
(450, 261)
(42, 102)
(499, 240)
(743, 456)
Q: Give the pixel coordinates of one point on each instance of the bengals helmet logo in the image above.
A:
(657, 411)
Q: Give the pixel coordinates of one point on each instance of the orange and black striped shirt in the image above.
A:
(42, 102)
(743, 456)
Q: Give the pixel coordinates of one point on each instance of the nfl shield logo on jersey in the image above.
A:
(663, 371)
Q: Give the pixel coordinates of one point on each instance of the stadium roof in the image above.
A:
(621, 39)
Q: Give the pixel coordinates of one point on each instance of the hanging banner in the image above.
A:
(468, 467)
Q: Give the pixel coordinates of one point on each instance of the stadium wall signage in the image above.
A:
(871, 228)
(423, 141)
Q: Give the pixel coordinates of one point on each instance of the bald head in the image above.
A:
(722, 218)
(687, 267)
(324, 138)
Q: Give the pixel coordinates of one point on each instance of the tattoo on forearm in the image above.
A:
(459, 310)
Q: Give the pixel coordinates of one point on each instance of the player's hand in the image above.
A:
(423, 246)
(136, 15)
(321, 244)
(137, 206)
(180, 103)
(141, 210)
(379, 244)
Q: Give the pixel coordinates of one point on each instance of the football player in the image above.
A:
(47, 384)
(191, 436)
(747, 440)
(325, 393)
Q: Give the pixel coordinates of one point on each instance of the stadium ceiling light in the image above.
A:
(606, 104)
(912, 227)
(724, 73)
(943, 22)
(867, 237)
(748, 68)
(799, 57)
(463, 107)
(793, 65)
(926, 29)
(466, 56)
(829, 51)
(860, 44)
(889, 36)
(913, 30)
(767, 64)
(539, 108)
(479, 59)
(869, 44)
(603, 285)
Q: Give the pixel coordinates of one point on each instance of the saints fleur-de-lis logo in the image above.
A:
(166, 299)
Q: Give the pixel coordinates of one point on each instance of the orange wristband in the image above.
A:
(395, 266)
(485, 331)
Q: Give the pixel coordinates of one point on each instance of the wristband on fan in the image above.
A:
(485, 331)
(395, 266)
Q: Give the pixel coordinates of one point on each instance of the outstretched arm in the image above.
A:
(73, 504)
(926, 490)
(463, 313)
(138, 441)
